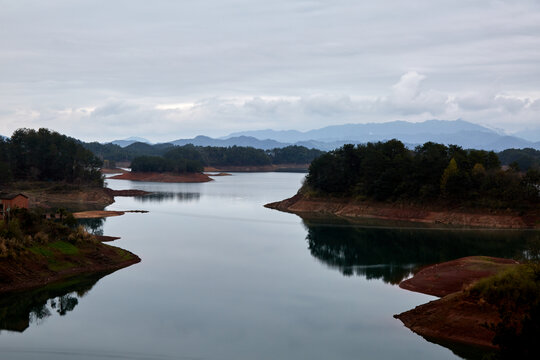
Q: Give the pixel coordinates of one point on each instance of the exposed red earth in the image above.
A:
(452, 276)
(130, 192)
(163, 177)
(96, 214)
(105, 238)
(113, 171)
(457, 316)
(257, 168)
(47, 264)
(351, 210)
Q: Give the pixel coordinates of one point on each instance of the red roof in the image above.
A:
(6, 196)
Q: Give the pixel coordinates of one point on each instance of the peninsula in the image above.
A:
(40, 242)
(35, 251)
(434, 184)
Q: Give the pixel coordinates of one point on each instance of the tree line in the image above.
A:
(44, 155)
(116, 153)
(212, 155)
(388, 171)
(521, 159)
(190, 158)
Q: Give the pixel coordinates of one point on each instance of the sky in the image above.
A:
(170, 69)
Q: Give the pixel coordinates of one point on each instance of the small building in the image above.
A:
(11, 201)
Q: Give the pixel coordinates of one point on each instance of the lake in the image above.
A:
(222, 277)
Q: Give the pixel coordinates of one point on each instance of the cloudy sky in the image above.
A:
(168, 69)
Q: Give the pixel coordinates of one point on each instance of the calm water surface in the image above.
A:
(222, 277)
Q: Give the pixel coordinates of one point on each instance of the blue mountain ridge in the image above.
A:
(458, 132)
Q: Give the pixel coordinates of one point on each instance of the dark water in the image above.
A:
(222, 277)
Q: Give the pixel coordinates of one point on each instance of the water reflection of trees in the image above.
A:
(20, 310)
(392, 254)
(169, 196)
(93, 226)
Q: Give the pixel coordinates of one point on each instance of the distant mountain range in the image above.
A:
(458, 132)
(129, 141)
(529, 134)
(237, 140)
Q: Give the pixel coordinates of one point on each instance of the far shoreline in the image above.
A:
(165, 177)
(259, 168)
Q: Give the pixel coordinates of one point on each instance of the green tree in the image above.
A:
(49, 156)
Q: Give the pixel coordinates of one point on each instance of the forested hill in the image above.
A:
(189, 158)
(45, 155)
(524, 158)
(116, 153)
(388, 171)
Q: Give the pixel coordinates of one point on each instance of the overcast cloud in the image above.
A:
(167, 69)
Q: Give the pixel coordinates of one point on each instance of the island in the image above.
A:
(234, 158)
(188, 163)
(165, 177)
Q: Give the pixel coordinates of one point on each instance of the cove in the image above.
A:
(222, 277)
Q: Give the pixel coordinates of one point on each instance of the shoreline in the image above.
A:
(42, 264)
(351, 210)
(456, 316)
(108, 171)
(33, 270)
(452, 276)
(163, 177)
(97, 214)
(83, 198)
(258, 168)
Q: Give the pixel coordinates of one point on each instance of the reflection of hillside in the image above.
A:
(169, 196)
(19, 310)
(392, 254)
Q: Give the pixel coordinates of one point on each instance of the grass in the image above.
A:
(59, 266)
(48, 251)
(517, 285)
(64, 247)
(125, 255)
(516, 294)
(41, 250)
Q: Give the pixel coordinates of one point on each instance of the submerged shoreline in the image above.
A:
(305, 206)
